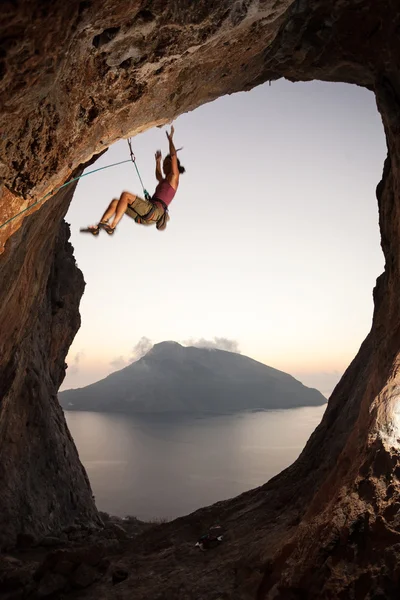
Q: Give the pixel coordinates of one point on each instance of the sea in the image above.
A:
(162, 467)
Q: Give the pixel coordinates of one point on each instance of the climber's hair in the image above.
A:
(181, 168)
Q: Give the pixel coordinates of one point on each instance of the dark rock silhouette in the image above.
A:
(40, 471)
(174, 379)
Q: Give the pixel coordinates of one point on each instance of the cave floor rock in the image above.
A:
(136, 560)
(131, 559)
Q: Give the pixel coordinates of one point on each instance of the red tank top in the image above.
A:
(165, 192)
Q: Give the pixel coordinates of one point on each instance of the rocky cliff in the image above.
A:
(43, 482)
(76, 76)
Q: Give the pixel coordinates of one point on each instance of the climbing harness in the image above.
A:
(161, 222)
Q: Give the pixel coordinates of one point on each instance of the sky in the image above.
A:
(272, 248)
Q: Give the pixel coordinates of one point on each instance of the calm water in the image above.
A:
(162, 468)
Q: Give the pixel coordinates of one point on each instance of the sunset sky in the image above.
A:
(273, 244)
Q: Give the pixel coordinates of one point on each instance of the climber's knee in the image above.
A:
(127, 197)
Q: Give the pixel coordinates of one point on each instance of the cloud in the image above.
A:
(218, 343)
(78, 357)
(73, 366)
(141, 348)
(119, 362)
(145, 344)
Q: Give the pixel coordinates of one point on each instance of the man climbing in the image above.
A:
(146, 211)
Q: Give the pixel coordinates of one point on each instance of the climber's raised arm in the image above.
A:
(159, 175)
(174, 159)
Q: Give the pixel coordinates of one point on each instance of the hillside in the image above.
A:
(172, 378)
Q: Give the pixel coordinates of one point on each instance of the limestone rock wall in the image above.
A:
(43, 484)
(76, 76)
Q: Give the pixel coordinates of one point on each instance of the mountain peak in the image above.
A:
(172, 378)
(167, 344)
(165, 348)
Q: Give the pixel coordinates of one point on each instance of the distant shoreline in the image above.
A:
(192, 414)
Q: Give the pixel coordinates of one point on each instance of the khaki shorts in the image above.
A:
(141, 207)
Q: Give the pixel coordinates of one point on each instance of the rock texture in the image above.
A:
(74, 77)
(43, 484)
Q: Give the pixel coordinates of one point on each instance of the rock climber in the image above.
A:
(150, 211)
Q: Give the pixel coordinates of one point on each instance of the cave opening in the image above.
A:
(294, 164)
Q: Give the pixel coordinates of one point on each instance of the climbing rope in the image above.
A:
(133, 159)
(59, 188)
